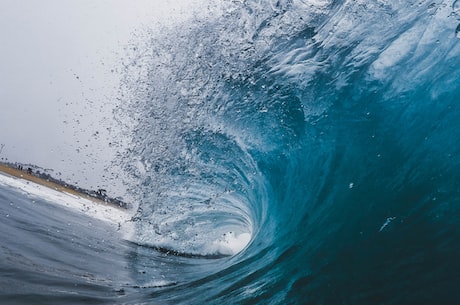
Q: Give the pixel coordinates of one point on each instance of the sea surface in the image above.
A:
(280, 152)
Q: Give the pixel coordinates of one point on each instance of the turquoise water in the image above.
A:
(289, 152)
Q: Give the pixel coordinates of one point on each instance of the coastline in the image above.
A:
(17, 171)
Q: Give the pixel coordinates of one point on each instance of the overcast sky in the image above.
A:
(59, 76)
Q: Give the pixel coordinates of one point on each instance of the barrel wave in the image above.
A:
(312, 142)
(295, 152)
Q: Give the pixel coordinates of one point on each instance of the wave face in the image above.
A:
(311, 147)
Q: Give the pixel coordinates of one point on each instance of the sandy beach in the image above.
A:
(9, 170)
(56, 192)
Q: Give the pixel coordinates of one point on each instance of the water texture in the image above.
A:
(286, 152)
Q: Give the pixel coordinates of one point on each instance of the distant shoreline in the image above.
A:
(25, 172)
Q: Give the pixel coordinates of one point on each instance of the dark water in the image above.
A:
(327, 131)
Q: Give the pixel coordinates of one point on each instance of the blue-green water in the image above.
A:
(327, 131)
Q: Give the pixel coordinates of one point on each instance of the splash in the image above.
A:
(283, 133)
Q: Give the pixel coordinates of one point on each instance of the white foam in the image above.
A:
(230, 243)
(116, 217)
(158, 284)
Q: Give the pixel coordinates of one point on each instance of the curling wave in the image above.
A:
(312, 142)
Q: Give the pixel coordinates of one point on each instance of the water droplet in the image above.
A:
(351, 185)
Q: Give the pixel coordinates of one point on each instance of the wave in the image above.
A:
(313, 142)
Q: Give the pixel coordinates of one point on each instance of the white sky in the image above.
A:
(59, 76)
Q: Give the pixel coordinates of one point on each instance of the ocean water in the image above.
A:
(280, 152)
